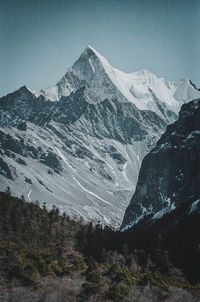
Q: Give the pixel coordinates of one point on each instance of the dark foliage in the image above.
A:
(35, 242)
(39, 248)
(174, 237)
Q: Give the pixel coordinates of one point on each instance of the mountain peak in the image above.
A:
(92, 52)
(189, 82)
(24, 88)
(186, 90)
(90, 48)
(185, 81)
(140, 88)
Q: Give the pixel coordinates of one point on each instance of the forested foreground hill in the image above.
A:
(45, 256)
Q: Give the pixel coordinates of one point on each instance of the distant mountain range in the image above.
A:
(80, 143)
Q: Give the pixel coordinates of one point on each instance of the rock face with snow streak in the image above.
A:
(80, 143)
(170, 173)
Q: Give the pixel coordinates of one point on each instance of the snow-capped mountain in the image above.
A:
(80, 143)
(140, 88)
(170, 173)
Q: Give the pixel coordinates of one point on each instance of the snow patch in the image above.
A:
(29, 194)
(170, 207)
(194, 206)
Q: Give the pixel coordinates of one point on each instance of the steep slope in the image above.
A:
(80, 143)
(82, 154)
(170, 173)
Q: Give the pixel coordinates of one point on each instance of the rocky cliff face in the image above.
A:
(170, 173)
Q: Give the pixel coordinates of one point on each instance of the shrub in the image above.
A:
(120, 273)
(89, 289)
(117, 292)
(78, 264)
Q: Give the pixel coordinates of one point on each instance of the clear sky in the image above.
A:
(41, 39)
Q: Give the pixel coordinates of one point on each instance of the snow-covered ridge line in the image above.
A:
(139, 87)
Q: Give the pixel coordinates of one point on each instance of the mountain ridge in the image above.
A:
(91, 59)
(85, 150)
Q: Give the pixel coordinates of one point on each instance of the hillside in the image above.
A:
(46, 256)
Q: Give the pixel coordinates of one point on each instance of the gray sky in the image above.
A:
(41, 39)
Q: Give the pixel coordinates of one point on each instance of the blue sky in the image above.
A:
(41, 39)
